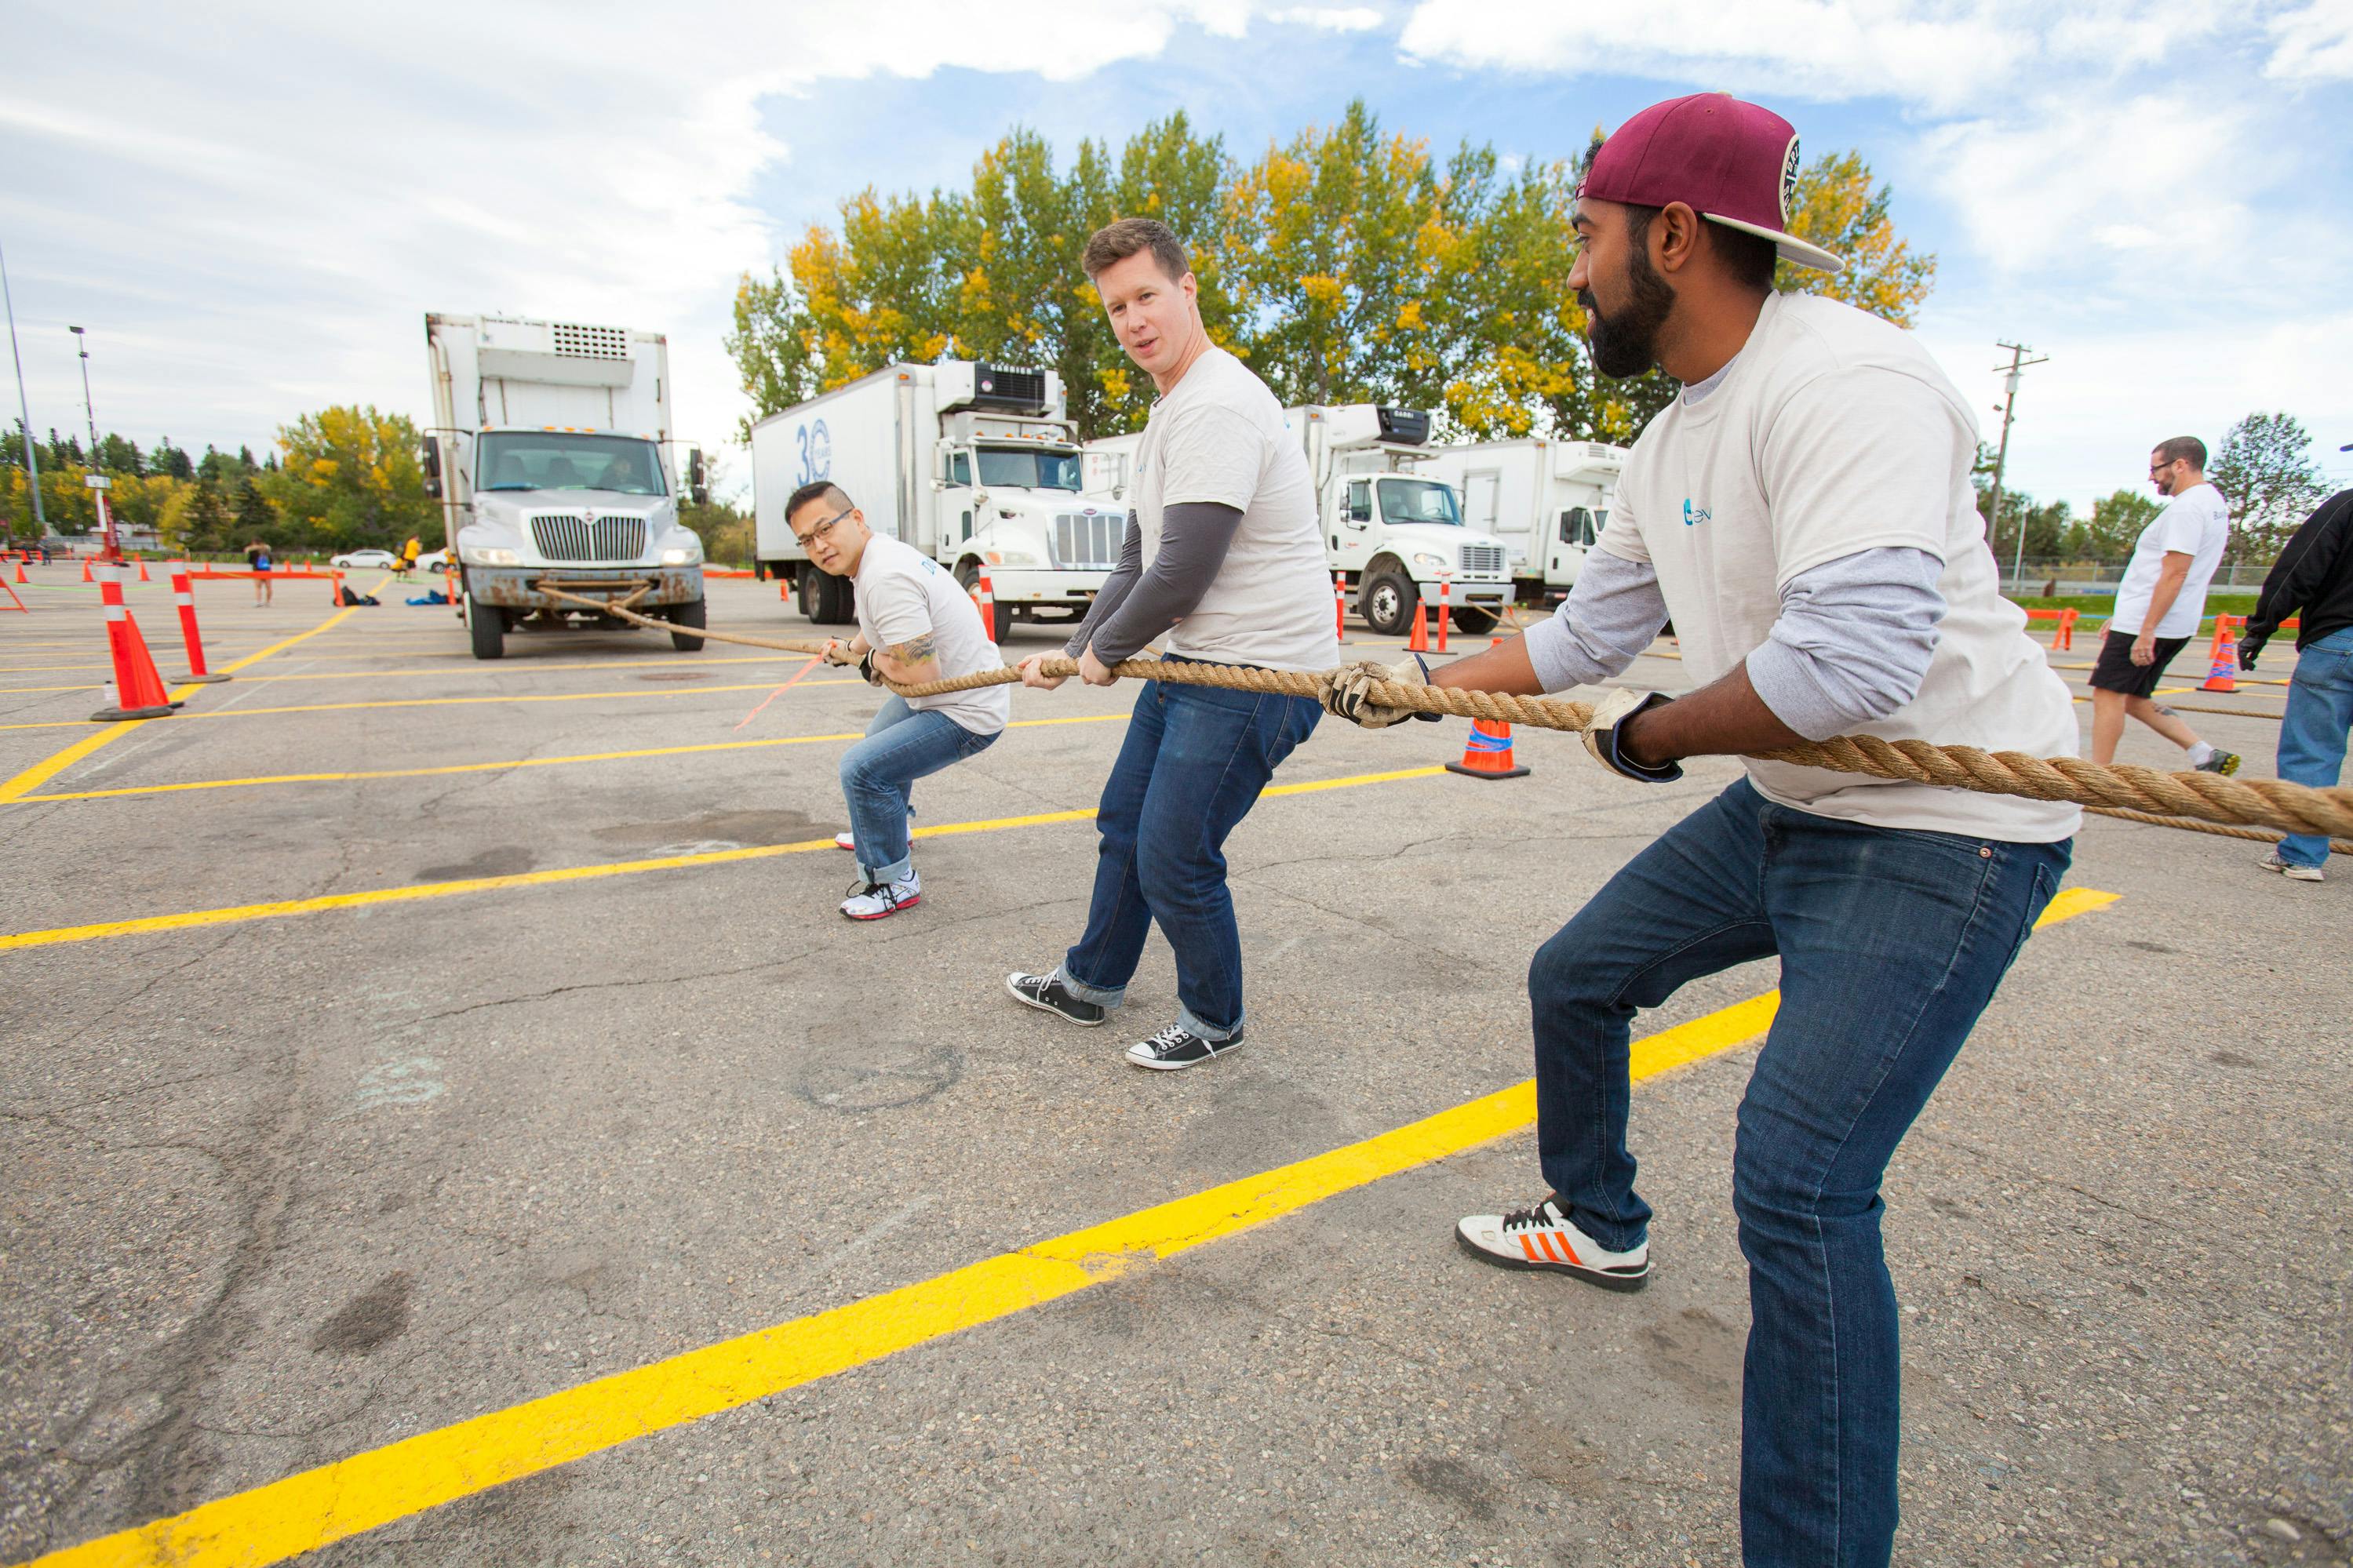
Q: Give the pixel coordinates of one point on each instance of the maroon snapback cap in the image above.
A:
(1732, 162)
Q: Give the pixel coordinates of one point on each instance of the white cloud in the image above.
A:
(2313, 44)
(1329, 19)
(253, 216)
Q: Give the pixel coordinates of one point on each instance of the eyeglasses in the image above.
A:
(820, 532)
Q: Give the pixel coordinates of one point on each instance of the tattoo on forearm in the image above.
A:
(917, 650)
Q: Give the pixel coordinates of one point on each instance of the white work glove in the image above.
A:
(1601, 739)
(1346, 691)
(836, 652)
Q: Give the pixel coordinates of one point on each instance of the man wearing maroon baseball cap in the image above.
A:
(1803, 511)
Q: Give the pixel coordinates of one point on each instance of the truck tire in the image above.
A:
(968, 575)
(833, 600)
(690, 614)
(487, 625)
(1386, 603)
(1475, 622)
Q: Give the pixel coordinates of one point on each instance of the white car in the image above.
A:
(433, 561)
(361, 558)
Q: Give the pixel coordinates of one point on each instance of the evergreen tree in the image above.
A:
(256, 517)
(207, 519)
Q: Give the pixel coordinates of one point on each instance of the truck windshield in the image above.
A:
(1418, 501)
(552, 460)
(1027, 468)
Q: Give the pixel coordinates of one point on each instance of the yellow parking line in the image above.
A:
(518, 763)
(238, 914)
(41, 772)
(443, 702)
(468, 667)
(317, 1508)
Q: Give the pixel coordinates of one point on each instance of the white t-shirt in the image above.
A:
(2197, 522)
(1218, 436)
(903, 594)
(1834, 432)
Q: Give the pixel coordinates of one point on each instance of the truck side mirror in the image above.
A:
(432, 461)
(695, 486)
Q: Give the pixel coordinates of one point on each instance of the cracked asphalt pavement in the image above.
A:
(285, 1190)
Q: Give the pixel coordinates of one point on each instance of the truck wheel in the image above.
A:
(1386, 603)
(968, 578)
(690, 614)
(1475, 622)
(487, 623)
(834, 599)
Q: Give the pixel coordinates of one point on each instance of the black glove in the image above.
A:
(866, 668)
(2250, 649)
(1601, 739)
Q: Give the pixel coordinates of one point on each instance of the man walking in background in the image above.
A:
(2159, 606)
(2311, 579)
(1223, 556)
(914, 623)
(256, 560)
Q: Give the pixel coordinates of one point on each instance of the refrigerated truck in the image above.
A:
(1546, 499)
(974, 464)
(552, 455)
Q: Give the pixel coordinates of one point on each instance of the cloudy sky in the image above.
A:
(251, 206)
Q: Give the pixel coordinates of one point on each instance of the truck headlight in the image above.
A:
(487, 555)
(684, 555)
(1010, 558)
(1429, 563)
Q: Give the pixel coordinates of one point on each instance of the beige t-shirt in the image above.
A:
(903, 594)
(1835, 432)
(1218, 436)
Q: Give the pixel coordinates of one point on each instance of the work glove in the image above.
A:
(1601, 739)
(1346, 691)
(837, 652)
(2250, 649)
(872, 676)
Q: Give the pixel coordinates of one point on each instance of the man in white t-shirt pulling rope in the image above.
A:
(2159, 606)
(914, 623)
(1803, 511)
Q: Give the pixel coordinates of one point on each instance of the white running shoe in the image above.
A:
(875, 901)
(843, 840)
(1541, 1238)
(2292, 872)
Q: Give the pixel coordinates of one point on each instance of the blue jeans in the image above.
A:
(902, 745)
(2311, 736)
(1890, 943)
(1191, 767)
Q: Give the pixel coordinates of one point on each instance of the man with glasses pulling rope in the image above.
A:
(1804, 513)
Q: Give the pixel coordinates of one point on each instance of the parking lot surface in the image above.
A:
(396, 1041)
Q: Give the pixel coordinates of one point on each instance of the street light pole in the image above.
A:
(2018, 362)
(24, 408)
(96, 478)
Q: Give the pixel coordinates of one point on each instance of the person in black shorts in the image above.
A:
(256, 560)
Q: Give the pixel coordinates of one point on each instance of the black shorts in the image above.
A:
(2115, 671)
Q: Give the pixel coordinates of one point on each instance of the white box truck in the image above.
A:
(551, 452)
(1396, 533)
(974, 464)
(1546, 499)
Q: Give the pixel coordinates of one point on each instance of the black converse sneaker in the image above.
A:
(1047, 994)
(1176, 1048)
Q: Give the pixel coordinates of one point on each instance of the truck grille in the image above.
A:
(1485, 558)
(1088, 542)
(567, 536)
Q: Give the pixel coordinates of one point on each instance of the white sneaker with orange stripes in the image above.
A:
(1542, 1238)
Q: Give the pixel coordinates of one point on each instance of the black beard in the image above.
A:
(1627, 344)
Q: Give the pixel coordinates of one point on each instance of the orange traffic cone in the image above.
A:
(985, 600)
(85, 571)
(139, 690)
(142, 570)
(2224, 665)
(1488, 755)
(20, 572)
(1419, 641)
(184, 596)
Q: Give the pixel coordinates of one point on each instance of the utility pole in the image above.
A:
(25, 425)
(96, 478)
(2018, 362)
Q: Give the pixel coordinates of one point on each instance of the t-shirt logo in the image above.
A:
(1694, 516)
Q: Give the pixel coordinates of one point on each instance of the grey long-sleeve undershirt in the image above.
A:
(1851, 644)
(1138, 603)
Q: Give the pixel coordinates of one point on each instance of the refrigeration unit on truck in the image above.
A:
(1394, 527)
(552, 455)
(974, 464)
(1546, 499)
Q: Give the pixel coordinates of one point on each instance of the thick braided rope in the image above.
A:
(2210, 798)
(2256, 835)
